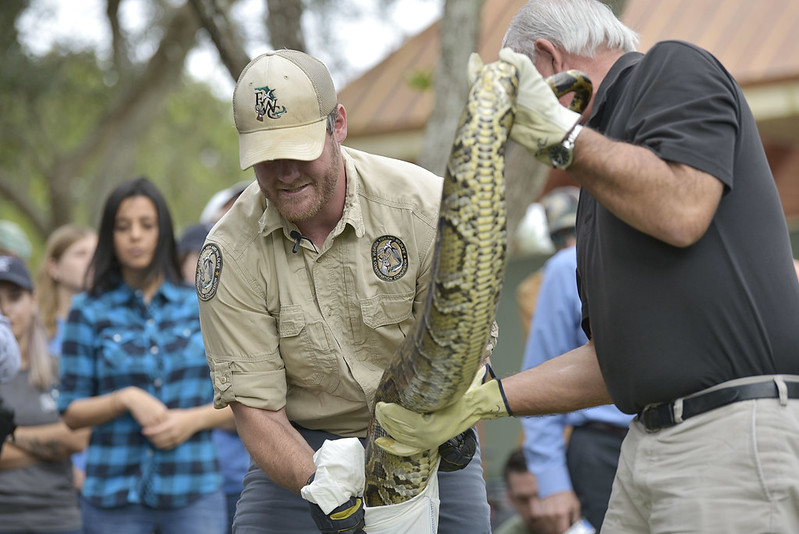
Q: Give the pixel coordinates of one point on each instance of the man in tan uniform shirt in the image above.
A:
(308, 285)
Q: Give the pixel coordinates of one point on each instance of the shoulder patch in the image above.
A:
(389, 258)
(209, 268)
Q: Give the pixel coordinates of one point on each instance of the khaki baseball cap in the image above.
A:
(280, 105)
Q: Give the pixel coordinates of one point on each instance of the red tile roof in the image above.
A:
(382, 100)
(756, 41)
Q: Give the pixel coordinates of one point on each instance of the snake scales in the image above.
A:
(438, 361)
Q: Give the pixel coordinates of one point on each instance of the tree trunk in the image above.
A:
(225, 36)
(283, 24)
(460, 26)
(616, 5)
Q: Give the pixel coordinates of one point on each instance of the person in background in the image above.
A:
(13, 240)
(684, 267)
(300, 317)
(36, 488)
(559, 215)
(188, 248)
(221, 202)
(134, 369)
(522, 489)
(234, 460)
(574, 476)
(62, 274)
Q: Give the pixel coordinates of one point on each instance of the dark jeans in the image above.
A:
(231, 499)
(592, 457)
(204, 516)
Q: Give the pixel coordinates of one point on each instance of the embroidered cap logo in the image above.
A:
(266, 104)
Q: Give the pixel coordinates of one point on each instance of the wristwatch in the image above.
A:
(562, 155)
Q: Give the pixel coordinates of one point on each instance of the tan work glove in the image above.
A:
(541, 121)
(413, 432)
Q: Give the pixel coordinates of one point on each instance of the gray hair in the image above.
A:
(578, 27)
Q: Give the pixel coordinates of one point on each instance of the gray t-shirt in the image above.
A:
(40, 497)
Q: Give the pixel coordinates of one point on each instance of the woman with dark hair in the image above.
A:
(134, 368)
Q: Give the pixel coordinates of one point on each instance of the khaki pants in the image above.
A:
(728, 471)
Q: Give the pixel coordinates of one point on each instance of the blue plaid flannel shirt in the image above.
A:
(114, 340)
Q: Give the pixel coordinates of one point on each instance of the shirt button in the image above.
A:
(157, 382)
(117, 338)
(223, 379)
(150, 322)
(154, 349)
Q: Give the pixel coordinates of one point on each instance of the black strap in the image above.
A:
(662, 416)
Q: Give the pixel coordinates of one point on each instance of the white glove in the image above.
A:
(541, 121)
(339, 474)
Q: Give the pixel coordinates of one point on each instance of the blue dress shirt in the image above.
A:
(554, 330)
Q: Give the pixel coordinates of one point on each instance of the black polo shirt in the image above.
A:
(670, 321)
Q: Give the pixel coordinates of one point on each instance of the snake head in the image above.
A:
(474, 67)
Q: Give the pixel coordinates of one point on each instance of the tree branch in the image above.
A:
(22, 201)
(459, 28)
(224, 35)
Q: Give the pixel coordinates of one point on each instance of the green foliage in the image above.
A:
(48, 107)
(191, 152)
(420, 79)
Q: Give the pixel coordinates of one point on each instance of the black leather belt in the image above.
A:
(666, 415)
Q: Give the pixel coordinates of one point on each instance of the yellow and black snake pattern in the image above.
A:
(572, 81)
(438, 361)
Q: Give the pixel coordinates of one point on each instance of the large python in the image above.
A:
(438, 361)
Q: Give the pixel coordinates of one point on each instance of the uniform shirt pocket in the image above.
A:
(387, 321)
(307, 348)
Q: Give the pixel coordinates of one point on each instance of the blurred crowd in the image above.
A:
(105, 398)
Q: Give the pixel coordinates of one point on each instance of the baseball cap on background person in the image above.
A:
(189, 245)
(193, 238)
(280, 105)
(560, 206)
(221, 201)
(14, 241)
(13, 270)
